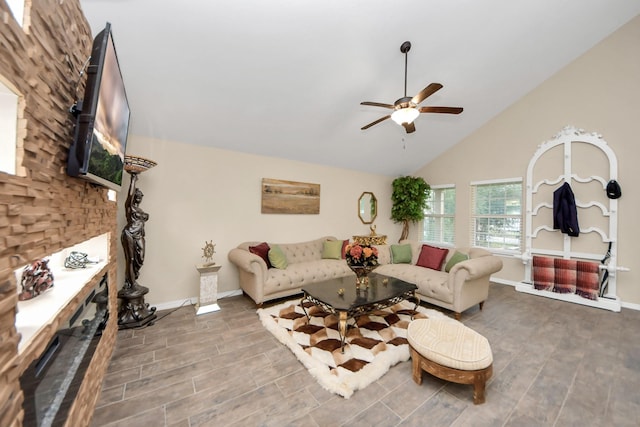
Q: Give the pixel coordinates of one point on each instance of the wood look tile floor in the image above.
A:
(555, 364)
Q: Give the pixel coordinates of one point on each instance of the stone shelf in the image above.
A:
(34, 315)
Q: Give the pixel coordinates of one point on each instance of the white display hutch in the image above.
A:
(557, 161)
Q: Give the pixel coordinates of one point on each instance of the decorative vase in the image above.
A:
(362, 274)
(36, 278)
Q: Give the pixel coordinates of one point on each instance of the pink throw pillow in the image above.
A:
(432, 257)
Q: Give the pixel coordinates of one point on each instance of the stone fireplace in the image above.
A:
(42, 210)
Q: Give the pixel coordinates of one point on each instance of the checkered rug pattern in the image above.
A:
(374, 342)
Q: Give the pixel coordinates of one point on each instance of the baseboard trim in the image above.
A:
(193, 300)
(177, 303)
(228, 294)
(504, 282)
(629, 305)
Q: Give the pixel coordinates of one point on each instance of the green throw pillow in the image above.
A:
(277, 257)
(401, 254)
(455, 258)
(332, 249)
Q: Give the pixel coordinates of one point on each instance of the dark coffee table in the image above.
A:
(340, 297)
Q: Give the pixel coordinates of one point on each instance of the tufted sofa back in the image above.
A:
(304, 251)
(384, 252)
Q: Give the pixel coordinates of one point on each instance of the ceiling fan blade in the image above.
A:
(377, 104)
(409, 127)
(445, 110)
(426, 92)
(381, 119)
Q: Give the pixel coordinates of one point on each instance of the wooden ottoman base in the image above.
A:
(478, 378)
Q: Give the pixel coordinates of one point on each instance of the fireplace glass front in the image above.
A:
(51, 383)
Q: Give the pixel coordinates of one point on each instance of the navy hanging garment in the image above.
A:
(565, 214)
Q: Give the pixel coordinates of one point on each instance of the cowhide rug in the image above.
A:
(376, 344)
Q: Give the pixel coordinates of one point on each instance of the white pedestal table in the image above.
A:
(207, 301)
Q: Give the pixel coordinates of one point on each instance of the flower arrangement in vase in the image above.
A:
(362, 259)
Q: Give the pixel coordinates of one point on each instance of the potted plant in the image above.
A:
(409, 198)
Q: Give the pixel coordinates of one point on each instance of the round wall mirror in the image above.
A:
(367, 207)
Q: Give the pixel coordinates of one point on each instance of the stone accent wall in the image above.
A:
(42, 210)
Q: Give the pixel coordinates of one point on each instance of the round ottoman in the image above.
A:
(450, 351)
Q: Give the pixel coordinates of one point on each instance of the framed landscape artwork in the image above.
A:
(289, 197)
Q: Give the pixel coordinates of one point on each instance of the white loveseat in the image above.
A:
(466, 283)
(463, 286)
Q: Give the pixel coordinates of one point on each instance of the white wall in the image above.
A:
(598, 92)
(198, 194)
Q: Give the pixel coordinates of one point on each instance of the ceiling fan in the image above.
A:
(406, 109)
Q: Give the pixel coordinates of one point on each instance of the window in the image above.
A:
(496, 219)
(439, 218)
(17, 9)
(8, 129)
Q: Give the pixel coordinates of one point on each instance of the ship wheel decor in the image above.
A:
(208, 251)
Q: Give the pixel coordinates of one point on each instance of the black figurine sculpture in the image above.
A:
(133, 234)
(133, 311)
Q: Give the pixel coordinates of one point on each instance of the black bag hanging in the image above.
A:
(613, 189)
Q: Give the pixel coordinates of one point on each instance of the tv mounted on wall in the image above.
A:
(102, 125)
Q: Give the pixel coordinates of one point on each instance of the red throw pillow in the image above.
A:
(432, 257)
(262, 250)
(345, 243)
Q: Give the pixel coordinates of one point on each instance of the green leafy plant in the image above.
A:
(409, 198)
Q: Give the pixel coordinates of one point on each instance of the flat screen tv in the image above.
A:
(102, 119)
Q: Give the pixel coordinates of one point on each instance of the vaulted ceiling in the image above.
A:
(285, 78)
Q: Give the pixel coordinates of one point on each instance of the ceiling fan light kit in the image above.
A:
(405, 115)
(406, 108)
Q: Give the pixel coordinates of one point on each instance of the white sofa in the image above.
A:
(466, 284)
